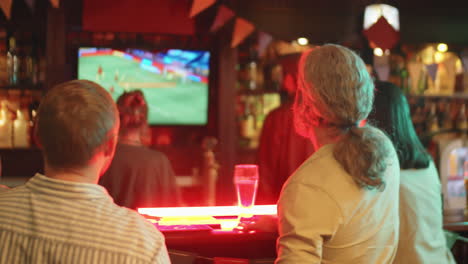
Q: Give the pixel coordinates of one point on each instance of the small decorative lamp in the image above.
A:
(382, 26)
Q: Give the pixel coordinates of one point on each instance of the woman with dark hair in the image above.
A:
(339, 205)
(422, 238)
(138, 176)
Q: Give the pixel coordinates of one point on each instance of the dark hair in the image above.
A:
(335, 91)
(74, 120)
(133, 111)
(391, 114)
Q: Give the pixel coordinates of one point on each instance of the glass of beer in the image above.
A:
(246, 182)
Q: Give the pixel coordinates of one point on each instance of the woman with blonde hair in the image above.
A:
(138, 176)
(341, 204)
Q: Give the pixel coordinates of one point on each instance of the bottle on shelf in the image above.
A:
(252, 75)
(418, 120)
(405, 82)
(12, 62)
(462, 123)
(252, 69)
(3, 58)
(432, 120)
(445, 118)
(27, 59)
(41, 67)
(258, 110)
(246, 121)
(422, 82)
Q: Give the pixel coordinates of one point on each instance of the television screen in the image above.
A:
(174, 81)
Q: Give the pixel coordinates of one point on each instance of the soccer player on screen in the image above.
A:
(100, 73)
(116, 75)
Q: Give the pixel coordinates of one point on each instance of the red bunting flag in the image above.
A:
(264, 39)
(242, 29)
(199, 5)
(6, 7)
(55, 3)
(224, 15)
(465, 61)
(382, 34)
(432, 70)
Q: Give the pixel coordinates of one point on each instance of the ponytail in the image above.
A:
(362, 152)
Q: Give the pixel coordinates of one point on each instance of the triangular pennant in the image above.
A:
(55, 3)
(432, 70)
(31, 4)
(465, 63)
(383, 72)
(382, 34)
(264, 40)
(200, 5)
(242, 29)
(224, 15)
(6, 7)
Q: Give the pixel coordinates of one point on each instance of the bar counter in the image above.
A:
(210, 232)
(185, 230)
(231, 244)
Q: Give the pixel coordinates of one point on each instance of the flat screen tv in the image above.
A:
(174, 81)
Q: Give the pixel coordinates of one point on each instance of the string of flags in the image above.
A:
(381, 25)
(242, 27)
(5, 5)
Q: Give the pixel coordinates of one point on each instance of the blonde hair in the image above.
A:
(336, 92)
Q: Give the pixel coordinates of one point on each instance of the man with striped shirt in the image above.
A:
(64, 216)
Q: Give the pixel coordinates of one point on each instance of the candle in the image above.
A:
(5, 129)
(21, 131)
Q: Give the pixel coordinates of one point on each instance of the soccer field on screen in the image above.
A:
(171, 100)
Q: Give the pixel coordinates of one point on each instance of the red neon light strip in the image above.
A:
(206, 211)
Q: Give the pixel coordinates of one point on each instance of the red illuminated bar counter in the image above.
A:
(211, 232)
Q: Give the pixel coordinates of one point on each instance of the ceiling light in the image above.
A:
(302, 41)
(378, 52)
(442, 47)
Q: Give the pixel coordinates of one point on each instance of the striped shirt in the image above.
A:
(55, 221)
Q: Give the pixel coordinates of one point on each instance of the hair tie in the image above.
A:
(349, 127)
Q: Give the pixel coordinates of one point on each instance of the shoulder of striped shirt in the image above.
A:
(141, 229)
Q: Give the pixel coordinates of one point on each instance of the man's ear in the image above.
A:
(109, 146)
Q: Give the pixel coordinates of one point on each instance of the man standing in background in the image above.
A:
(279, 134)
